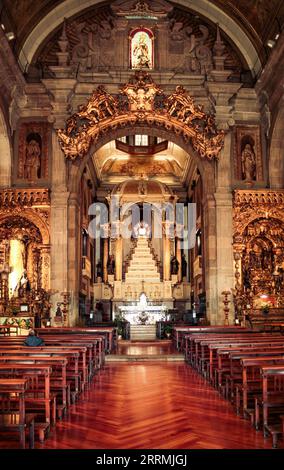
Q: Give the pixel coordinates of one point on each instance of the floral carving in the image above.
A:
(105, 112)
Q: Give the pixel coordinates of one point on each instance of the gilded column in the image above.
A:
(45, 267)
(167, 254)
(105, 259)
(118, 259)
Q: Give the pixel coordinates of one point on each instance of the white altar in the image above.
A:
(143, 313)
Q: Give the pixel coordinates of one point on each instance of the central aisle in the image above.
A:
(152, 406)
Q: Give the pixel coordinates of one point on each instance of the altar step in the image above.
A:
(113, 358)
(142, 265)
(142, 332)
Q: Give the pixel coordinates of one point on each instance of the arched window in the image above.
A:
(141, 49)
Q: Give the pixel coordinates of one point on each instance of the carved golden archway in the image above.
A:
(140, 103)
(24, 218)
(32, 205)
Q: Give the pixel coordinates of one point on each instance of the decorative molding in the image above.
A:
(145, 104)
(250, 205)
(10, 198)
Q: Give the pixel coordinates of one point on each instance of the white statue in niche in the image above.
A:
(142, 229)
(141, 50)
(143, 301)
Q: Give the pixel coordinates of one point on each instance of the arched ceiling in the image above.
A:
(114, 166)
(249, 23)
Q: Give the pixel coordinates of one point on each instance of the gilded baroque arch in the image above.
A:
(140, 103)
(24, 216)
(30, 204)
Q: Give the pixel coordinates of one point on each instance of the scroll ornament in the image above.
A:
(140, 102)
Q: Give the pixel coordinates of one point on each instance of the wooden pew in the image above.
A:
(58, 378)
(93, 361)
(94, 345)
(228, 370)
(196, 344)
(76, 361)
(268, 373)
(251, 374)
(32, 372)
(109, 333)
(208, 349)
(11, 421)
(180, 332)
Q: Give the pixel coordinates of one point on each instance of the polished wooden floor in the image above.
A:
(153, 406)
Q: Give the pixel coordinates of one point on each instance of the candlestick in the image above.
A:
(226, 308)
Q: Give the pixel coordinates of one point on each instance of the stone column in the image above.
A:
(122, 44)
(224, 229)
(167, 257)
(161, 46)
(74, 258)
(219, 272)
(60, 92)
(210, 255)
(59, 239)
(225, 263)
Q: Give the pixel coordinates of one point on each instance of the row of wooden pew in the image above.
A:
(39, 384)
(247, 368)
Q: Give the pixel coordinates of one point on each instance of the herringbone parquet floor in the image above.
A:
(153, 406)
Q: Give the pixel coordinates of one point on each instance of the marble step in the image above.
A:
(145, 358)
(141, 268)
(143, 327)
(142, 272)
(132, 279)
(143, 336)
(142, 259)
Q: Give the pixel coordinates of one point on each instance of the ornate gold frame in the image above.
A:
(140, 102)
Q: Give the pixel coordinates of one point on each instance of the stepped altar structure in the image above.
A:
(141, 261)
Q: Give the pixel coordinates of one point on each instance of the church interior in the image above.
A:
(141, 224)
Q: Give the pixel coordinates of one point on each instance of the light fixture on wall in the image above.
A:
(10, 36)
(271, 43)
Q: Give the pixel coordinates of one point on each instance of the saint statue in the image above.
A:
(248, 163)
(142, 229)
(174, 265)
(143, 300)
(23, 285)
(141, 53)
(32, 160)
(111, 265)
